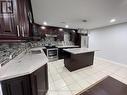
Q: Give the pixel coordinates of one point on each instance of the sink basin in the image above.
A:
(36, 51)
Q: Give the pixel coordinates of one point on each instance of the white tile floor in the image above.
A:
(63, 82)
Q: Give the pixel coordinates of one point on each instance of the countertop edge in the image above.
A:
(87, 51)
(27, 72)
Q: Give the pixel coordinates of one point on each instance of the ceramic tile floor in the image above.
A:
(63, 82)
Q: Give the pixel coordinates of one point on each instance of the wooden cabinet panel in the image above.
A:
(40, 81)
(60, 35)
(17, 86)
(8, 20)
(18, 23)
(33, 84)
(23, 18)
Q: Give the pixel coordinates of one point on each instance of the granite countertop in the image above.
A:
(23, 64)
(67, 46)
(79, 50)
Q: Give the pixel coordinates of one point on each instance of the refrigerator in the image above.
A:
(84, 38)
(84, 41)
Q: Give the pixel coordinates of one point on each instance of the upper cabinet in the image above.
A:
(49, 31)
(15, 19)
(25, 18)
(8, 18)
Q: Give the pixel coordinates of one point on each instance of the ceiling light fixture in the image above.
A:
(43, 27)
(112, 20)
(73, 31)
(45, 23)
(66, 26)
(60, 29)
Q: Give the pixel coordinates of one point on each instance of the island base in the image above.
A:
(77, 61)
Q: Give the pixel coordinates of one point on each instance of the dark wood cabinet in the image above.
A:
(76, 38)
(40, 81)
(17, 86)
(60, 35)
(49, 31)
(25, 18)
(16, 23)
(33, 84)
(8, 20)
(62, 54)
(77, 61)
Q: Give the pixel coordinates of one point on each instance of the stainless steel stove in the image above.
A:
(52, 53)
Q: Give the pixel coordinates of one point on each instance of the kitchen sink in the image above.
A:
(36, 51)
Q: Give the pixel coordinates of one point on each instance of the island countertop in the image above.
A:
(68, 46)
(79, 50)
(23, 64)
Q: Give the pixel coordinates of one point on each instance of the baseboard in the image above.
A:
(121, 64)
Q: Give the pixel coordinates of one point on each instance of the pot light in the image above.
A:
(73, 31)
(112, 20)
(43, 27)
(66, 26)
(60, 29)
(45, 23)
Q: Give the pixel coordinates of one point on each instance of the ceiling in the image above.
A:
(97, 12)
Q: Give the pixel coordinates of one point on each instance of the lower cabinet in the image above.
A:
(39, 80)
(33, 84)
(17, 86)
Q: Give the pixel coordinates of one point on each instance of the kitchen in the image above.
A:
(47, 48)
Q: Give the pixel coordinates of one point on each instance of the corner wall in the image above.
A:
(111, 41)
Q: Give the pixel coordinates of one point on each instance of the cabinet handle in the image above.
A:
(23, 31)
(18, 30)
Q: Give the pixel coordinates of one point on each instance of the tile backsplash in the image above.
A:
(11, 50)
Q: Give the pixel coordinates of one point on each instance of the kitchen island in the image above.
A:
(78, 58)
(27, 74)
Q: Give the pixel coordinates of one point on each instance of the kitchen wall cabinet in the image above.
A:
(25, 18)
(8, 20)
(17, 22)
(50, 30)
(33, 84)
(75, 38)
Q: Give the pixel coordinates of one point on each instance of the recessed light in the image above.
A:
(43, 27)
(60, 29)
(73, 31)
(45, 23)
(66, 26)
(112, 20)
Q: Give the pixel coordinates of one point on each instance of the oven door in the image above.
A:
(52, 53)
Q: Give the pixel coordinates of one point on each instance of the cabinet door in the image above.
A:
(40, 81)
(8, 18)
(60, 35)
(25, 19)
(17, 86)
